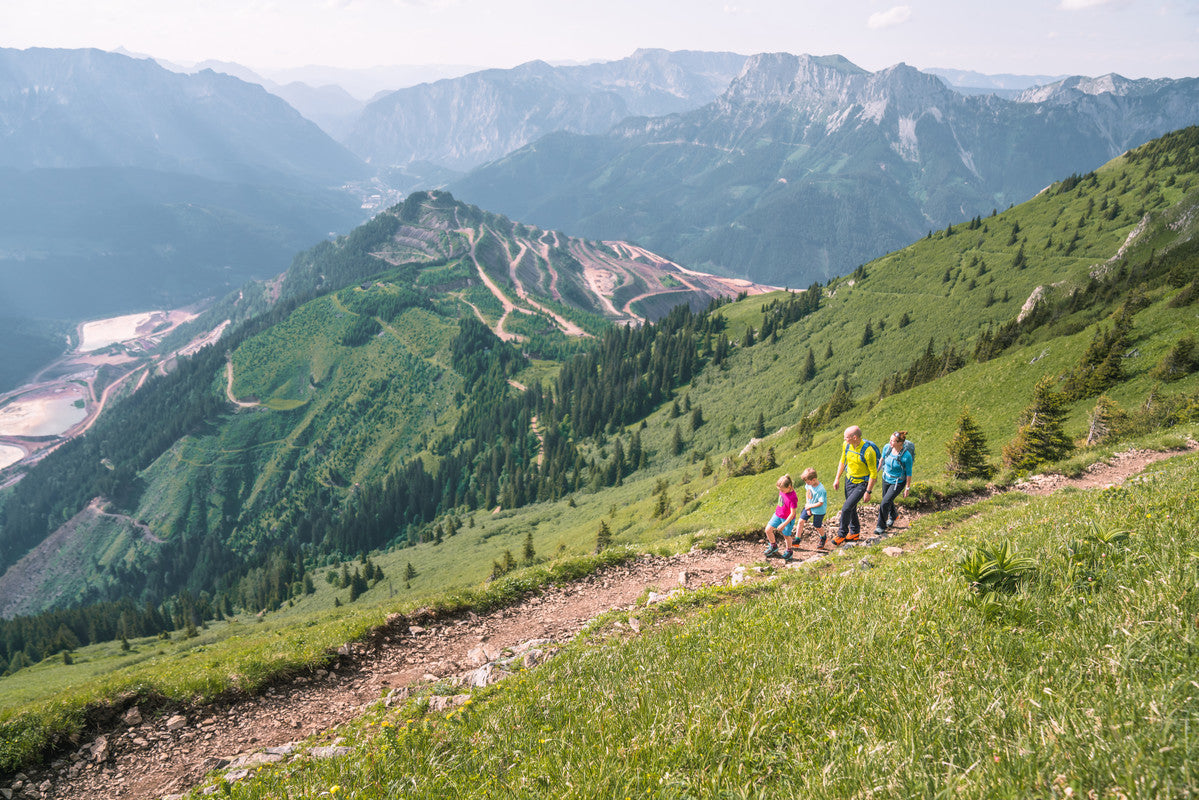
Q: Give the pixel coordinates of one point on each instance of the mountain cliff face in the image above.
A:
(807, 166)
(463, 122)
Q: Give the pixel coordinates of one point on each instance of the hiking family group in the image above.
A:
(863, 465)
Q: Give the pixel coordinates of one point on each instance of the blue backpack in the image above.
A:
(867, 444)
(908, 448)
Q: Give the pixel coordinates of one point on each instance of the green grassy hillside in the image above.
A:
(842, 681)
(271, 474)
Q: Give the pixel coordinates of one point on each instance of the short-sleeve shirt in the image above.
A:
(860, 464)
(817, 494)
(896, 468)
(788, 502)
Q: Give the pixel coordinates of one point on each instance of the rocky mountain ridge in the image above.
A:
(460, 123)
(762, 182)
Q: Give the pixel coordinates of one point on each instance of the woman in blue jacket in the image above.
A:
(895, 471)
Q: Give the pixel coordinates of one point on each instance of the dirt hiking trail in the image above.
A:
(152, 758)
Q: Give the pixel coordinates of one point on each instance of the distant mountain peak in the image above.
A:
(1067, 89)
(826, 86)
(459, 123)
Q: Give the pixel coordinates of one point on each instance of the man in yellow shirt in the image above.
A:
(859, 462)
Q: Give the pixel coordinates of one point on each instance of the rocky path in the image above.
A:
(151, 758)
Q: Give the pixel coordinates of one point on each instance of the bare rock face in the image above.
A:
(462, 122)
(1037, 295)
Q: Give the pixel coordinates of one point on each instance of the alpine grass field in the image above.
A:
(1032, 646)
(896, 681)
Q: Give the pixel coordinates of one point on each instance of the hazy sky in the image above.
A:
(1136, 38)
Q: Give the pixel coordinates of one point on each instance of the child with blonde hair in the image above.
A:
(783, 520)
(815, 505)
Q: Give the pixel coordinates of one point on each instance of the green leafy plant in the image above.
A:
(995, 569)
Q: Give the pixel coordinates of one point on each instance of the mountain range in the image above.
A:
(460, 123)
(87, 108)
(1003, 85)
(807, 166)
(128, 186)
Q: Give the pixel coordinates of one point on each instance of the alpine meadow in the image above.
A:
(449, 414)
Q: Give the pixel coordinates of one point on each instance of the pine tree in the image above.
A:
(530, 554)
(841, 399)
(967, 450)
(760, 427)
(809, 367)
(1179, 362)
(409, 572)
(603, 537)
(357, 586)
(676, 441)
(1040, 437)
(1106, 421)
(636, 453)
(867, 334)
(663, 506)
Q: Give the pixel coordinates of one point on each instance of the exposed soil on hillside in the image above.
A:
(161, 756)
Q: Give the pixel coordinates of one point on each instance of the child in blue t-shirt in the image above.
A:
(815, 505)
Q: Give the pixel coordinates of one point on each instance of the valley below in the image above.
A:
(113, 357)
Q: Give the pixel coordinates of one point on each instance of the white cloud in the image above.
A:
(896, 16)
(1079, 5)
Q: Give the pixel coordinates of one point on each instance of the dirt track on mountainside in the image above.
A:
(157, 757)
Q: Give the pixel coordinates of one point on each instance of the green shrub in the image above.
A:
(1041, 437)
(967, 450)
